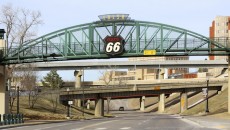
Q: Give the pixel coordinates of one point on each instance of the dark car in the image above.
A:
(121, 109)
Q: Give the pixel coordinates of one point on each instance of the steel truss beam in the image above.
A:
(86, 42)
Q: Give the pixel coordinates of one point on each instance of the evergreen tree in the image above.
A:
(54, 82)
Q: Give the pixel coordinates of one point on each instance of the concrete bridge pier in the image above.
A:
(4, 95)
(78, 75)
(88, 104)
(99, 107)
(161, 73)
(142, 103)
(183, 102)
(229, 84)
(161, 107)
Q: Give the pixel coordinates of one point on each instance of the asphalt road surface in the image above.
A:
(123, 121)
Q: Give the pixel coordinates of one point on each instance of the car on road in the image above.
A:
(121, 108)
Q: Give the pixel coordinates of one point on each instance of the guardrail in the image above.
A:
(8, 119)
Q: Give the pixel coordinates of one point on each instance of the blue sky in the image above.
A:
(194, 15)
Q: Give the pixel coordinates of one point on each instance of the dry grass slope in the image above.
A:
(43, 110)
(217, 105)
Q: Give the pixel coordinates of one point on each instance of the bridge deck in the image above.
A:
(144, 89)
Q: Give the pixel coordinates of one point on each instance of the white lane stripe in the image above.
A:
(192, 123)
(95, 125)
(100, 128)
(125, 128)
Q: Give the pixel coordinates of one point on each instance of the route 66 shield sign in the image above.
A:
(114, 45)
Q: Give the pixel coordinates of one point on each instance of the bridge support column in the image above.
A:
(78, 75)
(183, 102)
(229, 84)
(161, 107)
(99, 107)
(4, 95)
(88, 104)
(142, 103)
(161, 73)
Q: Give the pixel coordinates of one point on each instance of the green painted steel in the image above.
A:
(85, 41)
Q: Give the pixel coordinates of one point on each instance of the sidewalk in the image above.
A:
(211, 121)
(33, 122)
(38, 122)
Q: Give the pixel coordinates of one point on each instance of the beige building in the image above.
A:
(153, 73)
(143, 73)
(220, 31)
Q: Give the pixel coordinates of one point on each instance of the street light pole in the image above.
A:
(17, 99)
(83, 111)
(68, 105)
(207, 110)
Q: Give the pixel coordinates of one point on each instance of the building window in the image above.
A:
(226, 31)
(226, 23)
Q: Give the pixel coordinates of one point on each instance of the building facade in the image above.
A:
(220, 31)
(145, 73)
(153, 73)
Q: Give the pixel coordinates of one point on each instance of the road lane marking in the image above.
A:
(125, 128)
(100, 128)
(94, 125)
(192, 122)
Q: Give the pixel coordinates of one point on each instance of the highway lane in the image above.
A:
(123, 121)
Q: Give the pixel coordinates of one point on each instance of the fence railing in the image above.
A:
(8, 119)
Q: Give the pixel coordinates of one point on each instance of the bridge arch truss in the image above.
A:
(85, 41)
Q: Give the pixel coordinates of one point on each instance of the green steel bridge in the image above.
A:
(140, 38)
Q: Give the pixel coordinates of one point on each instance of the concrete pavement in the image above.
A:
(210, 122)
(125, 121)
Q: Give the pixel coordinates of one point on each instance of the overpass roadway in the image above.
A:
(95, 64)
(141, 89)
(144, 88)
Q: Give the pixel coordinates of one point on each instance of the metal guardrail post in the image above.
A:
(22, 118)
(16, 118)
(9, 118)
(1, 119)
(19, 118)
(5, 119)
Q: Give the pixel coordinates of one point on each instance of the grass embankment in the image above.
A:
(218, 105)
(43, 110)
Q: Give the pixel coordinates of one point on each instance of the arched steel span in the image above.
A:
(85, 41)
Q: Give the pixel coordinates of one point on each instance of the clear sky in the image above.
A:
(194, 15)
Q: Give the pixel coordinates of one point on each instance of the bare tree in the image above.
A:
(20, 25)
(106, 77)
(13, 96)
(8, 17)
(109, 77)
(26, 76)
